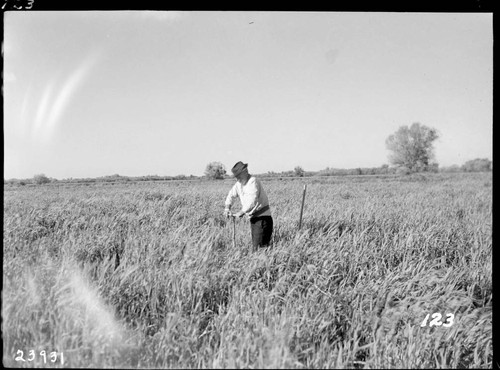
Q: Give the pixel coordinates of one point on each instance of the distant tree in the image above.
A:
(477, 165)
(215, 171)
(412, 147)
(298, 171)
(41, 179)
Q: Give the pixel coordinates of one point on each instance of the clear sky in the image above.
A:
(134, 93)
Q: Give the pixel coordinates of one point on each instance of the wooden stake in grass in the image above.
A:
(302, 206)
(234, 231)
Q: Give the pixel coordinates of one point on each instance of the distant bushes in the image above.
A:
(382, 170)
(41, 179)
(478, 165)
(475, 165)
(450, 169)
(299, 171)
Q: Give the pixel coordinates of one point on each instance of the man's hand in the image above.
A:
(227, 213)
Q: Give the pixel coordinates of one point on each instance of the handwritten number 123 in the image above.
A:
(436, 320)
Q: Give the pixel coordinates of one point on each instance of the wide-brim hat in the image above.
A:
(238, 168)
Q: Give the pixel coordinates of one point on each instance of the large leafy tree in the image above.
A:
(412, 147)
(215, 170)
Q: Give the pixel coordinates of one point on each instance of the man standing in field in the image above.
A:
(254, 204)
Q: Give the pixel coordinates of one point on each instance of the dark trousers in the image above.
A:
(262, 229)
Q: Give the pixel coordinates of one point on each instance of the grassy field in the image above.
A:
(146, 275)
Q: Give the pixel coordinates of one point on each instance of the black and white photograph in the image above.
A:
(247, 188)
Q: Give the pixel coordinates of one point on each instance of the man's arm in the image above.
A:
(231, 196)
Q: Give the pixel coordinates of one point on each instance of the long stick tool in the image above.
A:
(234, 231)
(302, 206)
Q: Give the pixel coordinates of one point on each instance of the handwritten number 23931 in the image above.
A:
(31, 356)
(436, 320)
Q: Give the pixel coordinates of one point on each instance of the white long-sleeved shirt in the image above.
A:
(252, 196)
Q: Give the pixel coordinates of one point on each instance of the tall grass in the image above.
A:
(145, 275)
